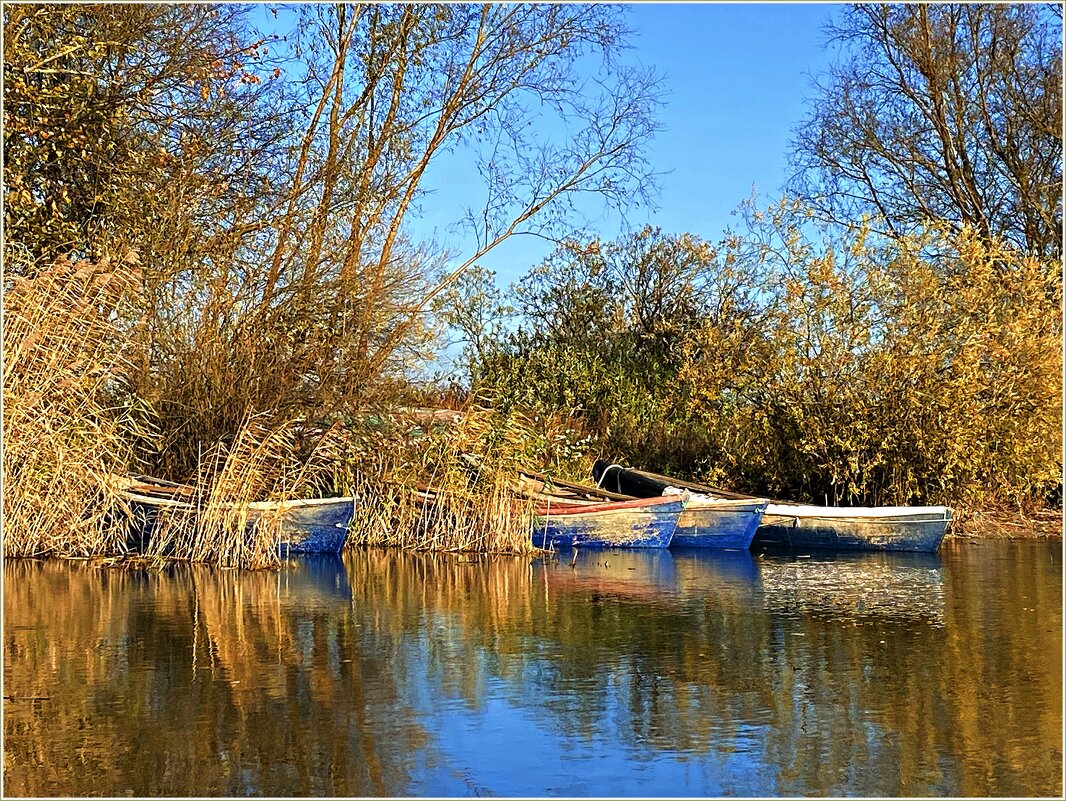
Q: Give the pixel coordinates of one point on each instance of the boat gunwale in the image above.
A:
(697, 503)
(256, 506)
(860, 514)
(564, 508)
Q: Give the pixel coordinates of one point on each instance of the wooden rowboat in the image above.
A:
(707, 522)
(307, 526)
(570, 514)
(635, 523)
(882, 528)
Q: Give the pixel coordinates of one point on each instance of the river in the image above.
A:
(639, 673)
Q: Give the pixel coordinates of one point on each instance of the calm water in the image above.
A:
(653, 674)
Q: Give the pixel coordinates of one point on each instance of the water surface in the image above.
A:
(673, 673)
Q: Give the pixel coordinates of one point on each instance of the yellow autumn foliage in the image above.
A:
(922, 370)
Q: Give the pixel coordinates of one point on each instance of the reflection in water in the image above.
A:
(687, 672)
(195, 681)
(859, 585)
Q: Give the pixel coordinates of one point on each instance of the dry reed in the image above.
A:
(445, 487)
(68, 421)
(217, 524)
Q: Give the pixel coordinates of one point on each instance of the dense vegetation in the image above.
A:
(262, 186)
(858, 370)
(209, 261)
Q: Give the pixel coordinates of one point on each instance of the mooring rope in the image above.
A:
(603, 475)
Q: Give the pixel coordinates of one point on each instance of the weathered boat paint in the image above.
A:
(718, 523)
(885, 528)
(315, 526)
(707, 522)
(900, 528)
(639, 523)
(311, 526)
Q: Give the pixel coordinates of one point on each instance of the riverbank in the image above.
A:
(1045, 524)
(1042, 526)
(68, 428)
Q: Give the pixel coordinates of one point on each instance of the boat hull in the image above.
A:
(321, 528)
(632, 524)
(318, 526)
(884, 528)
(921, 529)
(718, 524)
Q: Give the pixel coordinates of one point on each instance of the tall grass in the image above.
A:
(67, 419)
(71, 422)
(418, 486)
(264, 462)
(443, 487)
(437, 487)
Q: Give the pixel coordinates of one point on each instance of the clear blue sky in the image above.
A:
(738, 76)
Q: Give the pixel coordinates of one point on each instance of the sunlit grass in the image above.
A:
(67, 423)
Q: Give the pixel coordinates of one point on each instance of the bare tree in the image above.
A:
(393, 88)
(941, 112)
(269, 182)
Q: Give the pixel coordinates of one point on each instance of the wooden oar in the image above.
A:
(587, 491)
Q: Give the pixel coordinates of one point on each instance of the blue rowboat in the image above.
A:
(718, 522)
(794, 525)
(707, 522)
(878, 528)
(636, 523)
(307, 526)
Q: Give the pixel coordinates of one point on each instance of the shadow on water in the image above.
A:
(684, 672)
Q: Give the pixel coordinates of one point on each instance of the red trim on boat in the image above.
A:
(563, 507)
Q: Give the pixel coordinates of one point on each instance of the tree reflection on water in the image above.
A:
(392, 673)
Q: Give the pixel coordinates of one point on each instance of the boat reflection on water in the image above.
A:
(724, 576)
(853, 585)
(314, 580)
(667, 672)
(845, 585)
(677, 572)
(633, 574)
(196, 681)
